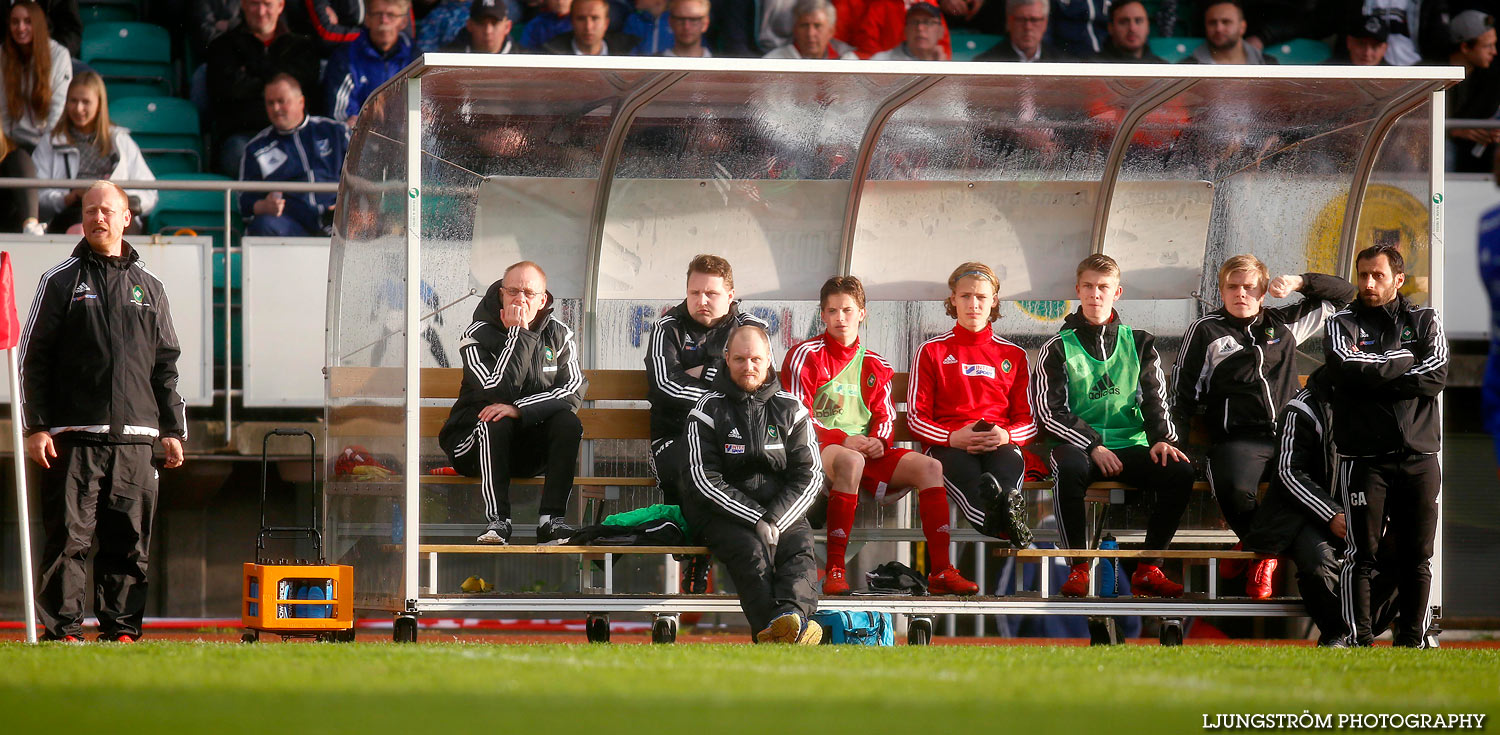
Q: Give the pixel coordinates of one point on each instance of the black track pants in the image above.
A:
(767, 586)
(1393, 516)
(1167, 490)
(1236, 467)
(961, 472)
(108, 490)
(499, 450)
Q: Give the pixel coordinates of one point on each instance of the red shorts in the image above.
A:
(876, 479)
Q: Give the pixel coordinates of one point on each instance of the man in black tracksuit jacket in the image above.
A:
(98, 387)
(516, 413)
(753, 471)
(1238, 366)
(1389, 361)
(683, 356)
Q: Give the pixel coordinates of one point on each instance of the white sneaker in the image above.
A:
(490, 537)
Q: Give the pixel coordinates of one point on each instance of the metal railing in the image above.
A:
(229, 188)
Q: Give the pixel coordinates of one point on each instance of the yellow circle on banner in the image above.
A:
(1045, 311)
(1390, 216)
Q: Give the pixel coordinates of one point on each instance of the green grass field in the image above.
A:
(172, 687)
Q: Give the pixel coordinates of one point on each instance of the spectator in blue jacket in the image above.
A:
(649, 23)
(555, 19)
(377, 54)
(296, 147)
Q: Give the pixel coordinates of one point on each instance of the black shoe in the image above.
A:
(555, 529)
(817, 515)
(695, 574)
(1005, 515)
(1335, 642)
(497, 533)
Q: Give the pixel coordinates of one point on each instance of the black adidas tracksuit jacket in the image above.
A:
(1390, 363)
(678, 344)
(1238, 373)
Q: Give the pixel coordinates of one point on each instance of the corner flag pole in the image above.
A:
(10, 338)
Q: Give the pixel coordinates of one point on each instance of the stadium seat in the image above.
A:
(139, 53)
(968, 44)
(199, 211)
(94, 13)
(166, 129)
(1174, 49)
(1300, 51)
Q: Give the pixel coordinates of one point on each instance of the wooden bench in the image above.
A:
(613, 411)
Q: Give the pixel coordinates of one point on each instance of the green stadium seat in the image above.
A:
(968, 44)
(138, 53)
(1174, 49)
(166, 129)
(1300, 51)
(199, 211)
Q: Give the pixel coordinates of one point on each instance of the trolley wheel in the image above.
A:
(1104, 632)
(250, 637)
(343, 636)
(596, 627)
(918, 631)
(405, 629)
(1171, 631)
(664, 629)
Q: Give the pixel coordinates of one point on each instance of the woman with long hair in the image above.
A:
(85, 146)
(18, 207)
(35, 71)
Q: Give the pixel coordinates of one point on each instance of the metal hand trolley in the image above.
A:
(296, 598)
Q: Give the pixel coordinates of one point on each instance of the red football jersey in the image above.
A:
(960, 377)
(813, 363)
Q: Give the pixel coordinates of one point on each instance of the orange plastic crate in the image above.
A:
(262, 609)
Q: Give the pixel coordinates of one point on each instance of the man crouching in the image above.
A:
(752, 472)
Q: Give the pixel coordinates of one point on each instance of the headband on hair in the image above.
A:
(981, 274)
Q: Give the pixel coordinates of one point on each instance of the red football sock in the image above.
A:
(840, 521)
(932, 504)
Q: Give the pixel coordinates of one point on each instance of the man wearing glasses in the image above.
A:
(1026, 25)
(689, 21)
(516, 413)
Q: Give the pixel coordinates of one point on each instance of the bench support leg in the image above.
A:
(919, 630)
(1213, 579)
(432, 573)
(1103, 631)
(1171, 631)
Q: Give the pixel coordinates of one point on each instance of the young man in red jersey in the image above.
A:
(847, 389)
(966, 401)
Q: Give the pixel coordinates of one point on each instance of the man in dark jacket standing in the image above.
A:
(98, 387)
(1389, 360)
(753, 471)
(516, 413)
(1236, 368)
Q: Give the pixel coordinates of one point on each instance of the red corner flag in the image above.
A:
(10, 326)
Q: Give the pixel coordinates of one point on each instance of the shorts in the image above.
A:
(877, 476)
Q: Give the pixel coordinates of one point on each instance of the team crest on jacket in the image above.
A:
(772, 432)
(137, 295)
(1005, 366)
(870, 381)
(548, 353)
(325, 148)
(1270, 332)
(1406, 334)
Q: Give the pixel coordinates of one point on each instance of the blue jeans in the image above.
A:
(270, 225)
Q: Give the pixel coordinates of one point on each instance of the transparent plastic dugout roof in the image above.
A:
(613, 172)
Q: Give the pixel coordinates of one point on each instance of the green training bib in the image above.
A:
(1104, 394)
(840, 403)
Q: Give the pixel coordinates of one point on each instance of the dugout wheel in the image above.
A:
(343, 636)
(1171, 631)
(596, 627)
(250, 637)
(918, 631)
(1105, 632)
(405, 629)
(663, 629)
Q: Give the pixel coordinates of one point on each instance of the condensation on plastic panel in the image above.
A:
(1001, 170)
(1399, 199)
(751, 166)
(366, 352)
(1274, 152)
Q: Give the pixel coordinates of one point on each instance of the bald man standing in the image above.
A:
(98, 388)
(753, 471)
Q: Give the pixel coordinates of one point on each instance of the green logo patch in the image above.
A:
(1005, 366)
(137, 294)
(870, 381)
(548, 353)
(772, 432)
(1406, 333)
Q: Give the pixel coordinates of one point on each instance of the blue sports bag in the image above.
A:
(859, 628)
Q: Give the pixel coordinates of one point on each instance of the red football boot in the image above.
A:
(834, 583)
(1262, 573)
(1078, 581)
(950, 582)
(1231, 568)
(1149, 581)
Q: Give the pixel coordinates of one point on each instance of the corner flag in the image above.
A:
(10, 337)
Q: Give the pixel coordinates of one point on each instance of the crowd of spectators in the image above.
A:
(332, 54)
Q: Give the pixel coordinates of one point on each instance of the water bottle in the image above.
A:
(283, 592)
(315, 592)
(1108, 580)
(398, 523)
(301, 611)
